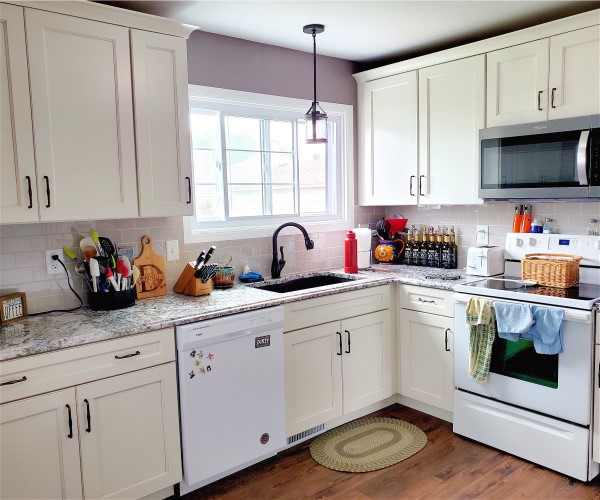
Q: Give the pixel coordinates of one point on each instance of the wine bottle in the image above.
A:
(438, 247)
(446, 251)
(423, 247)
(453, 250)
(409, 249)
(431, 249)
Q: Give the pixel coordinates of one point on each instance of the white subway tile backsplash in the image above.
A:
(22, 247)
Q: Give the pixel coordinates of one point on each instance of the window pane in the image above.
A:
(205, 167)
(282, 167)
(312, 175)
(205, 129)
(244, 167)
(313, 200)
(209, 203)
(280, 136)
(283, 199)
(245, 200)
(242, 133)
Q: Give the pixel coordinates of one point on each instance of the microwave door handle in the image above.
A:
(582, 157)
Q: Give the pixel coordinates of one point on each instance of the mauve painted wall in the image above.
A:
(231, 63)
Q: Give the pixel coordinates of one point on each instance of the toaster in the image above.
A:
(485, 261)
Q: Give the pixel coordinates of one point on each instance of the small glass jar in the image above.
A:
(548, 226)
(537, 225)
(592, 229)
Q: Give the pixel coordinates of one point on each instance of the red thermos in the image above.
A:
(350, 253)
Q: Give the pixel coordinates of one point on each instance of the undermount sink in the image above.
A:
(305, 283)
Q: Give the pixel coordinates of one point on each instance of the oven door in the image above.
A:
(558, 385)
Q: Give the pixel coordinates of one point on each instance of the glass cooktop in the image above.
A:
(512, 287)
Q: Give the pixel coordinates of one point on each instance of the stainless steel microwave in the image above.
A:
(557, 159)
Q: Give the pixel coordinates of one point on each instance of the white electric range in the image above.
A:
(535, 406)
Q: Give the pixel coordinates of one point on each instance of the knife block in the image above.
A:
(188, 284)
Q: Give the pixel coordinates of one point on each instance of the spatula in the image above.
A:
(94, 273)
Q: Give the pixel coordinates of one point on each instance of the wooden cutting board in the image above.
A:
(153, 281)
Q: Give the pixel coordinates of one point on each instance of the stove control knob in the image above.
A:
(532, 242)
(519, 242)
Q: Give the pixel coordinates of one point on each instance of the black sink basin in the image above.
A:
(305, 283)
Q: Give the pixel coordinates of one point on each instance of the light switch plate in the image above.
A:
(172, 249)
(483, 235)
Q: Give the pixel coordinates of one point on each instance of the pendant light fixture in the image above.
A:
(316, 118)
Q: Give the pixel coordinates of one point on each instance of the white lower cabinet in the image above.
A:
(39, 451)
(336, 368)
(117, 437)
(425, 343)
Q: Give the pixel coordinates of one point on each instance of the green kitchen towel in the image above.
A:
(482, 330)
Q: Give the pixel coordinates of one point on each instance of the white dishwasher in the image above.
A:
(231, 394)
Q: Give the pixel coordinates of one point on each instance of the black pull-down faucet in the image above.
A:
(277, 263)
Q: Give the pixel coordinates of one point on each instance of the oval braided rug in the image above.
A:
(367, 444)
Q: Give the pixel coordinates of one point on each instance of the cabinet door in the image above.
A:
(83, 118)
(130, 441)
(39, 450)
(313, 376)
(575, 73)
(162, 128)
(426, 360)
(517, 84)
(18, 191)
(451, 112)
(388, 141)
(367, 360)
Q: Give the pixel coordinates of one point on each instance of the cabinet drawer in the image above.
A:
(431, 300)
(334, 307)
(68, 367)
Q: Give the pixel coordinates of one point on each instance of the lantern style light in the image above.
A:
(316, 118)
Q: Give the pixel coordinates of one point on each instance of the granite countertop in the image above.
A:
(49, 332)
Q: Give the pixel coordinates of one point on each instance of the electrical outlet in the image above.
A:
(52, 266)
(483, 235)
(172, 249)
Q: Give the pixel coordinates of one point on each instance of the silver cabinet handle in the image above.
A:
(421, 185)
(410, 189)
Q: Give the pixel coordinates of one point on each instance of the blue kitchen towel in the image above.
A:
(251, 277)
(512, 320)
(547, 332)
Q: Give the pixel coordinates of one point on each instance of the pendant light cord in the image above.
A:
(314, 35)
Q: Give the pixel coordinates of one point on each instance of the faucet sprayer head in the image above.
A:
(310, 244)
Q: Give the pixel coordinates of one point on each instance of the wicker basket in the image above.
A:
(224, 278)
(551, 269)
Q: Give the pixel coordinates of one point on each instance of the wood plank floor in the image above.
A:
(449, 466)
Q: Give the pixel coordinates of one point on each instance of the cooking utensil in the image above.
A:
(89, 252)
(227, 263)
(120, 270)
(108, 248)
(125, 279)
(110, 277)
(136, 274)
(199, 259)
(70, 253)
(94, 273)
(383, 229)
(97, 243)
(204, 261)
(87, 242)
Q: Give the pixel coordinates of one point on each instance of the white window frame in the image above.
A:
(234, 230)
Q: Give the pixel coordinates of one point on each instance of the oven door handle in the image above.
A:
(570, 314)
(582, 157)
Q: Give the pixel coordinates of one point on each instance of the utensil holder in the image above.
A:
(190, 285)
(109, 301)
(224, 278)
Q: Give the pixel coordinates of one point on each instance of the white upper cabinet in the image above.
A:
(18, 191)
(451, 112)
(557, 77)
(83, 117)
(388, 141)
(162, 124)
(517, 84)
(574, 81)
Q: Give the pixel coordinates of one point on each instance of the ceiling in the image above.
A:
(363, 31)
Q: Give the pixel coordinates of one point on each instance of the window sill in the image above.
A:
(263, 231)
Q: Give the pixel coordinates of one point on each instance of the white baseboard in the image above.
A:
(424, 407)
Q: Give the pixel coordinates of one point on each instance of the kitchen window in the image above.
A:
(254, 171)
